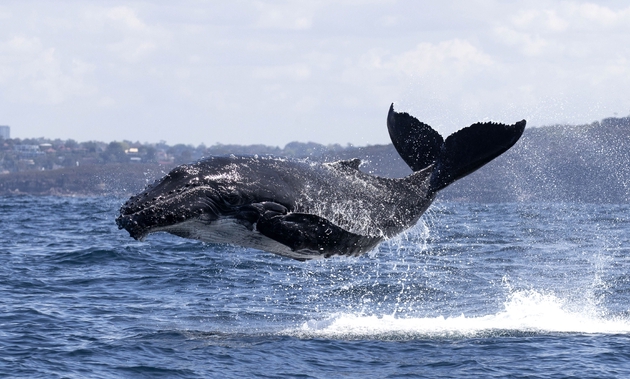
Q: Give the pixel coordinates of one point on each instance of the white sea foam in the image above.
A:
(524, 312)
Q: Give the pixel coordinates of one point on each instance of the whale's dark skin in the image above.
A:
(305, 210)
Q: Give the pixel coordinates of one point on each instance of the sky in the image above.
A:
(273, 72)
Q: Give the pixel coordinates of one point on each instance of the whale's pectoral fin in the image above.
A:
(250, 214)
(314, 234)
(470, 148)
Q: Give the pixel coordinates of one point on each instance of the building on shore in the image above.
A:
(5, 132)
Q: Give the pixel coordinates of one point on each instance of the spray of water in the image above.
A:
(423, 285)
(524, 311)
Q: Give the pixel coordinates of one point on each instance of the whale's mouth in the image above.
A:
(140, 223)
(177, 197)
(142, 217)
(128, 223)
(139, 230)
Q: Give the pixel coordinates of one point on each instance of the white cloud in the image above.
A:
(525, 18)
(132, 49)
(296, 15)
(600, 14)
(123, 32)
(221, 71)
(388, 21)
(33, 73)
(430, 61)
(554, 22)
(564, 29)
(528, 44)
(445, 58)
(4, 14)
(541, 20)
(292, 72)
(127, 16)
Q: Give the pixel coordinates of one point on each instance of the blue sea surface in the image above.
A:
(474, 290)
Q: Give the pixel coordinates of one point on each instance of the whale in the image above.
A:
(303, 209)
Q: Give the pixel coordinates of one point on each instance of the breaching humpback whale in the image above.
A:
(305, 210)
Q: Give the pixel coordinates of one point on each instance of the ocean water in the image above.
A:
(474, 290)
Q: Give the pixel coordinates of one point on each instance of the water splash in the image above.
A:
(524, 311)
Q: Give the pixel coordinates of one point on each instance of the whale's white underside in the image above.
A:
(227, 230)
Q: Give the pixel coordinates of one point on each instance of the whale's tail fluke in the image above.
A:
(463, 152)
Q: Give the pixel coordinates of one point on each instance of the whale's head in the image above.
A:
(187, 193)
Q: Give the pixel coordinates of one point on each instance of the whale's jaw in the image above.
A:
(178, 197)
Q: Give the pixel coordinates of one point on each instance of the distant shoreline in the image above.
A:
(585, 164)
(89, 180)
